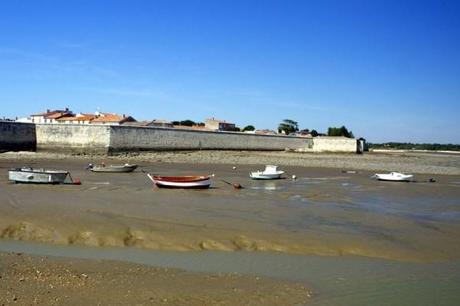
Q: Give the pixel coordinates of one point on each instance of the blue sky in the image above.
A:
(387, 70)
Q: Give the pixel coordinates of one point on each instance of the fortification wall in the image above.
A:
(17, 136)
(102, 139)
(335, 144)
(126, 138)
(73, 138)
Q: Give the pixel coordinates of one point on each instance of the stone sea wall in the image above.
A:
(103, 139)
(70, 138)
(125, 138)
(334, 144)
(15, 136)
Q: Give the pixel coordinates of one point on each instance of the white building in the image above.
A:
(219, 125)
(50, 116)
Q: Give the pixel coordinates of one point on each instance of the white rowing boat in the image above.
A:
(40, 176)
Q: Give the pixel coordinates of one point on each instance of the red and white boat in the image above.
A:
(195, 182)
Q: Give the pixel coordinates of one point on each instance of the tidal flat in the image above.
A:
(331, 212)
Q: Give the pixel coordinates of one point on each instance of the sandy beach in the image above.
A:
(332, 209)
(34, 280)
(402, 161)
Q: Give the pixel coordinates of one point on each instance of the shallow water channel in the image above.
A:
(344, 280)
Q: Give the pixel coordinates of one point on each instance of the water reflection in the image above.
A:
(268, 186)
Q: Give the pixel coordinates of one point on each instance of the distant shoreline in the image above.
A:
(414, 151)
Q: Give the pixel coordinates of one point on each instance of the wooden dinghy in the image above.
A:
(40, 176)
(185, 182)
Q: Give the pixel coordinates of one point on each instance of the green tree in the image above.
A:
(249, 128)
(341, 131)
(288, 126)
(314, 133)
(187, 122)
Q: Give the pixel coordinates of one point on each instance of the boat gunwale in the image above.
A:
(186, 185)
(181, 179)
(38, 171)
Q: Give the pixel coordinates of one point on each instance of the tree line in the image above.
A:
(415, 146)
(287, 126)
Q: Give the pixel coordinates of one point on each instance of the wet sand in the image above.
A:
(326, 211)
(38, 280)
(402, 161)
(333, 280)
(323, 212)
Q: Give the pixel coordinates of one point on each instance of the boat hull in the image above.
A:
(394, 180)
(255, 176)
(182, 182)
(114, 169)
(37, 176)
(170, 185)
(396, 177)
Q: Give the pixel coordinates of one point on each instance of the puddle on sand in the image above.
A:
(343, 280)
(268, 188)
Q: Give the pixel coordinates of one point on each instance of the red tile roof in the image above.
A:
(56, 115)
(80, 117)
(108, 118)
(53, 113)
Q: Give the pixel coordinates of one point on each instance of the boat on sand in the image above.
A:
(186, 182)
(270, 173)
(394, 177)
(40, 176)
(112, 168)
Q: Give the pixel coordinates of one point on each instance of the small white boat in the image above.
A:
(40, 176)
(394, 176)
(270, 173)
(112, 168)
(186, 182)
